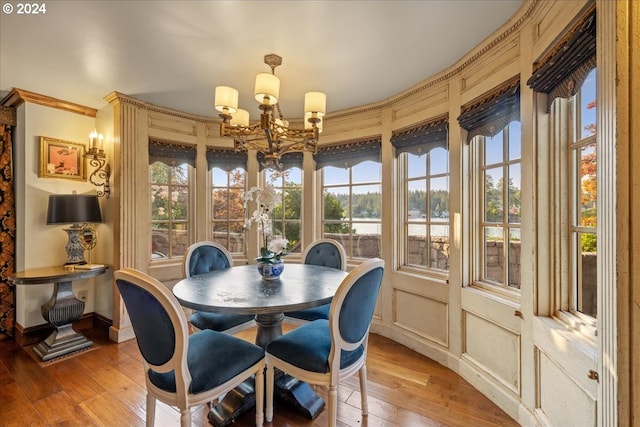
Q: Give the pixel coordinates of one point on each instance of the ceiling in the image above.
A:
(174, 53)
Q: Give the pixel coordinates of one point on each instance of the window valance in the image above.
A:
(171, 153)
(288, 160)
(226, 158)
(349, 153)
(423, 137)
(493, 111)
(562, 72)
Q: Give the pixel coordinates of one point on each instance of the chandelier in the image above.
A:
(272, 136)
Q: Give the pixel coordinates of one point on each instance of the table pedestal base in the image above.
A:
(299, 395)
(296, 393)
(235, 403)
(62, 341)
(61, 311)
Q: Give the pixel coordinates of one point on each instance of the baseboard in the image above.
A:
(102, 323)
(34, 334)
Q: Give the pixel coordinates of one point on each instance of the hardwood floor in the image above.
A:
(105, 387)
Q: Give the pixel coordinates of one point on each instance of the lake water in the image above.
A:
(367, 226)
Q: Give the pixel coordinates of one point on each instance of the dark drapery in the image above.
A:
(423, 137)
(7, 227)
(171, 153)
(349, 153)
(493, 111)
(560, 73)
(226, 158)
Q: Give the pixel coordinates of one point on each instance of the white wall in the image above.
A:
(39, 244)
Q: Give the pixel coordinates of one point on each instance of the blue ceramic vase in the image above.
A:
(270, 271)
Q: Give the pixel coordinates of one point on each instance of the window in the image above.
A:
(581, 151)
(568, 76)
(497, 210)
(170, 194)
(352, 207)
(227, 208)
(426, 216)
(287, 213)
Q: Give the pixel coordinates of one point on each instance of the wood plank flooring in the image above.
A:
(105, 387)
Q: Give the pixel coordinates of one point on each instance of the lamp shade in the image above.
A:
(73, 209)
(267, 88)
(315, 102)
(226, 98)
(240, 118)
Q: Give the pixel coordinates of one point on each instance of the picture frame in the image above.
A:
(61, 159)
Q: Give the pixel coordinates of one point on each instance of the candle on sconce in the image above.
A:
(95, 140)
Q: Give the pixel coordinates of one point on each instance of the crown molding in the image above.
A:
(17, 97)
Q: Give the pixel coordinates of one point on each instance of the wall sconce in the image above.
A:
(97, 158)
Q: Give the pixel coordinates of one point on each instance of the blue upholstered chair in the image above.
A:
(323, 352)
(180, 369)
(327, 253)
(203, 257)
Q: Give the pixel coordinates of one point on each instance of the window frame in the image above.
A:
(281, 189)
(211, 188)
(564, 121)
(349, 219)
(190, 218)
(477, 214)
(404, 180)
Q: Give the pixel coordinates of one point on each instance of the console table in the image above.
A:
(61, 310)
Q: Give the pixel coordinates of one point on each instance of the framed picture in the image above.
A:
(61, 159)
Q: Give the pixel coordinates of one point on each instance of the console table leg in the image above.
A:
(61, 311)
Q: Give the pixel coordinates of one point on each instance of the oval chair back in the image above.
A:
(327, 253)
(202, 257)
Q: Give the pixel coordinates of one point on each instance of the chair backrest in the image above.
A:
(203, 257)
(327, 253)
(352, 309)
(158, 322)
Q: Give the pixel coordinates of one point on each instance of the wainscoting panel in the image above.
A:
(421, 315)
(558, 396)
(493, 348)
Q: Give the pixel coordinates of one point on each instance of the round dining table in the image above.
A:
(242, 290)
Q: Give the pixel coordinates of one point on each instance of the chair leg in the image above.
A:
(269, 381)
(151, 410)
(185, 417)
(333, 405)
(259, 389)
(363, 390)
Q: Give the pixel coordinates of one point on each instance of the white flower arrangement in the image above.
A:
(273, 248)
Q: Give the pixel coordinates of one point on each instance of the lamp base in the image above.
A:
(75, 250)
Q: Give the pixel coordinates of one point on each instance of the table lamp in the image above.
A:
(74, 209)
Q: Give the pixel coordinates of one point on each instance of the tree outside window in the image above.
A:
(169, 210)
(227, 208)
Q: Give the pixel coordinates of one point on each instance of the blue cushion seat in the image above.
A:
(209, 362)
(308, 347)
(311, 314)
(218, 321)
